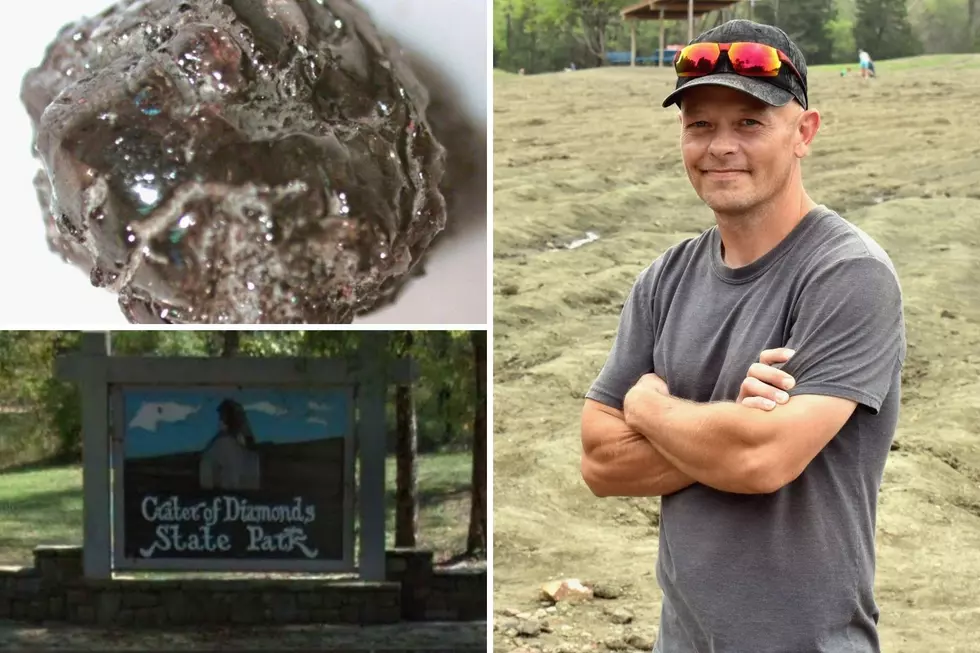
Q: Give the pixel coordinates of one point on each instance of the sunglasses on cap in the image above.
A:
(747, 59)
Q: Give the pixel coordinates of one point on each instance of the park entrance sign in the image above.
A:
(225, 464)
(212, 473)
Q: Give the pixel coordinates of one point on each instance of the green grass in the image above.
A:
(444, 502)
(937, 61)
(39, 507)
(940, 62)
(45, 507)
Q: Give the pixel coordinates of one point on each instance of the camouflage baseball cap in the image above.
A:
(776, 91)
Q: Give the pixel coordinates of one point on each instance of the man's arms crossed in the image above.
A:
(626, 457)
(663, 444)
(730, 446)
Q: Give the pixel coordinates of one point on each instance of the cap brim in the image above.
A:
(755, 87)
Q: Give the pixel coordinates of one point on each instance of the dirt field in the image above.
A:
(592, 151)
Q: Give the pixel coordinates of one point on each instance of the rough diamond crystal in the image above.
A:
(246, 161)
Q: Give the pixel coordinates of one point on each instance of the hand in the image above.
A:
(650, 386)
(652, 383)
(765, 386)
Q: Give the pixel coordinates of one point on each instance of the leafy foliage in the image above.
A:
(445, 394)
(882, 28)
(549, 35)
(809, 24)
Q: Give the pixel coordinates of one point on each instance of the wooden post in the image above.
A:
(690, 20)
(372, 432)
(97, 538)
(660, 62)
(632, 43)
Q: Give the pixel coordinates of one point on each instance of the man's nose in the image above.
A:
(723, 142)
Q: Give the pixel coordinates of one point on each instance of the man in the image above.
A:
(769, 476)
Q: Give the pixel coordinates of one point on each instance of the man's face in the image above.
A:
(739, 152)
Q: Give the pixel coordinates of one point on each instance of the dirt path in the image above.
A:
(414, 638)
(591, 151)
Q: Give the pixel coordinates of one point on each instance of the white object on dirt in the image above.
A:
(563, 590)
(590, 237)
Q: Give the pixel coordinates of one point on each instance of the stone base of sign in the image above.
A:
(429, 594)
(55, 590)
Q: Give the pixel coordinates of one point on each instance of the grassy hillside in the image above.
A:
(593, 151)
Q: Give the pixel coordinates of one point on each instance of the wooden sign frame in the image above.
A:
(101, 376)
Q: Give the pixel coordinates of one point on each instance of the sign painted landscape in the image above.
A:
(235, 473)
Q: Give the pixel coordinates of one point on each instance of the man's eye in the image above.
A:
(751, 122)
(698, 123)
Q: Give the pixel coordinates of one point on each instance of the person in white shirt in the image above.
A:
(867, 67)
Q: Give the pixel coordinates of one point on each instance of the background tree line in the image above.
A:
(549, 35)
(445, 411)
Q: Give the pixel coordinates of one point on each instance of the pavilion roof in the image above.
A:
(673, 9)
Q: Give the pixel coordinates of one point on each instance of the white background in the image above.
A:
(38, 290)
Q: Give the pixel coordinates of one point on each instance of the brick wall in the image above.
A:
(54, 590)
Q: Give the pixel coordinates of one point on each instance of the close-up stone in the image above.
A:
(245, 161)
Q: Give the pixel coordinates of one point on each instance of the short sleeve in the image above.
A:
(631, 355)
(848, 332)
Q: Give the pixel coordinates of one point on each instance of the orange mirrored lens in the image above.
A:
(754, 59)
(697, 60)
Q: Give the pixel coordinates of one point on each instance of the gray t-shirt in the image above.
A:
(791, 571)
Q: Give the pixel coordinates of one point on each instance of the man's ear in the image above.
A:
(807, 127)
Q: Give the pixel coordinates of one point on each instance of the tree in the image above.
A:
(441, 342)
(476, 539)
(406, 459)
(231, 343)
(542, 35)
(809, 24)
(882, 28)
(594, 18)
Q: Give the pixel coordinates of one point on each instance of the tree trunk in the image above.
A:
(230, 343)
(442, 341)
(442, 405)
(406, 453)
(476, 540)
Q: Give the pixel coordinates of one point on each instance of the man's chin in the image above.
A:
(727, 202)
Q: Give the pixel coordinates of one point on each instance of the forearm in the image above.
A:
(718, 444)
(630, 466)
(618, 461)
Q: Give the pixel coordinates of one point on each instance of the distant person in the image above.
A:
(867, 65)
(768, 465)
